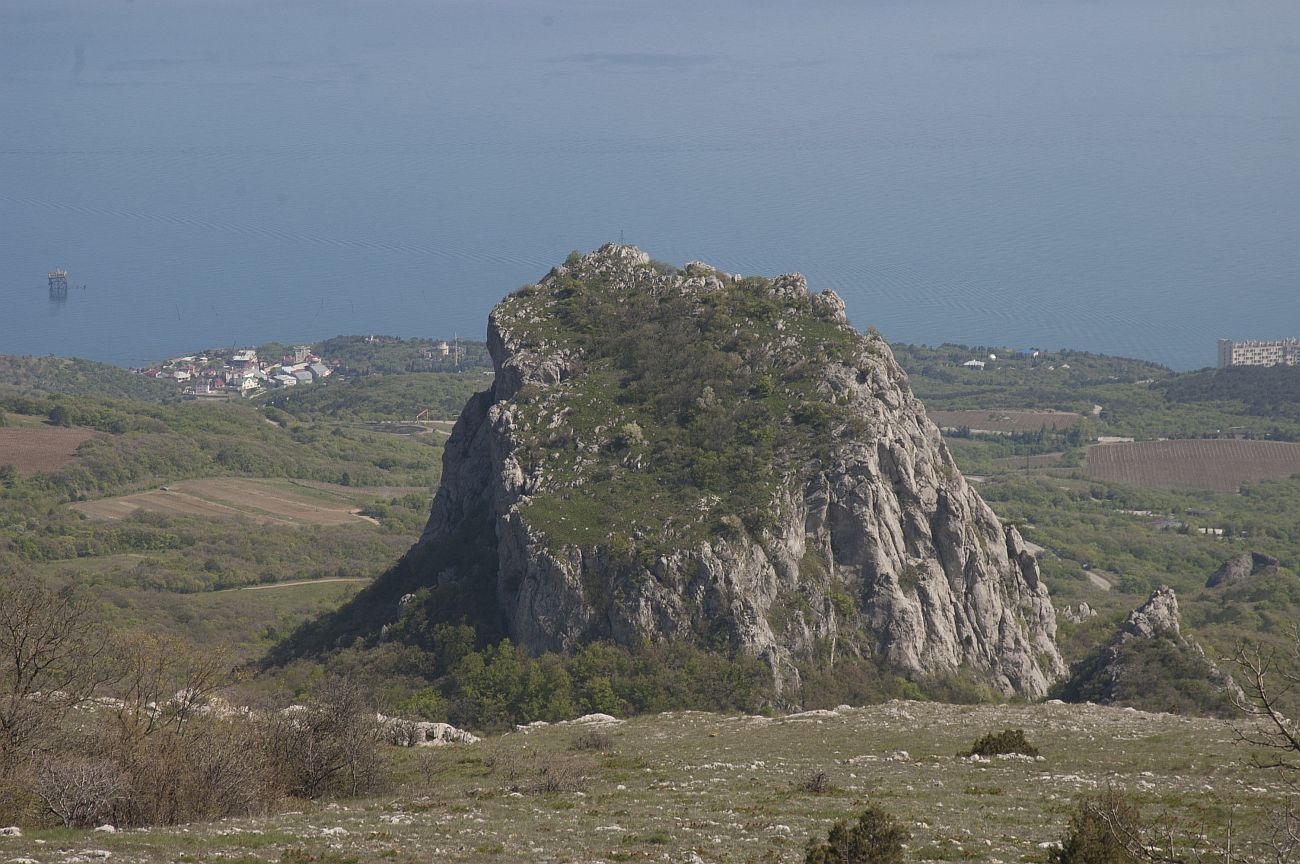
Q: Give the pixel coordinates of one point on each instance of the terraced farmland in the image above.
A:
(1220, 465)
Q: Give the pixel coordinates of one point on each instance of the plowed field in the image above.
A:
(1221, 465)
(40, 448)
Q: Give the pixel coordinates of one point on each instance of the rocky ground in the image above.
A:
(693, 787)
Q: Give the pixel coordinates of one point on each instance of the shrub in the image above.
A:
(561, 774)
(330, 744)
(875, 838)
(80, 793)
(594, 740)
(998, 743)
(1093, 836)
(817, 783)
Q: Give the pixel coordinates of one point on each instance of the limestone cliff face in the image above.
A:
(875, 545)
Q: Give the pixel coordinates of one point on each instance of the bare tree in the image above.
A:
(80, 792)
(160, 682)
(1270, 678)
(49, 661)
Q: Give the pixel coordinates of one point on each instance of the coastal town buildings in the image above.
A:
(1259, 352)
(242, 372)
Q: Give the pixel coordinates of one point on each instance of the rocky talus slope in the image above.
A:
(684, 454)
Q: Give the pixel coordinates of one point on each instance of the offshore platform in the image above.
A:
(58, 284)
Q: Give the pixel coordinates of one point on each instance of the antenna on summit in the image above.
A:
(620, 237)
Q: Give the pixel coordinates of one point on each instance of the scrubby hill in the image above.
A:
(696, 458)
(72, 376)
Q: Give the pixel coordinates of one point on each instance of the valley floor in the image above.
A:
(689, 787)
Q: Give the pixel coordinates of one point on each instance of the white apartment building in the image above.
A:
(1259, 352)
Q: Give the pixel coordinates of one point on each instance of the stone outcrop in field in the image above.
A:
(1242, 566)
(669, 455)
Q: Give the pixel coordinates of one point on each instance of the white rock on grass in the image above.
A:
(107, 829)
(815, 714)
(11, 831)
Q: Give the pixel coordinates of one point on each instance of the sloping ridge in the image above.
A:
(684, 454)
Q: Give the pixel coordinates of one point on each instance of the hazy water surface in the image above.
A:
(1113, 175)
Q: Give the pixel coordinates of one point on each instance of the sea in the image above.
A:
(1118, 176)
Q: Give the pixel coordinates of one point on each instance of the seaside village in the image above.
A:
(242, 372)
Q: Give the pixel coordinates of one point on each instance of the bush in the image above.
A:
(529, 772)
(999, 743)
(594, 740)
(1092, 836)
(81, 793)
(875, 838)
(817, 783)
(331, 744)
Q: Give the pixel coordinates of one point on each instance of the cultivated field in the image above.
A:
(1004, 421)
(695, 787)
(280, 502)
(1221, 465)
(40, 448)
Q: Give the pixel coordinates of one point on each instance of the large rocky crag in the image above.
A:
(1149, 663)
(864, 541)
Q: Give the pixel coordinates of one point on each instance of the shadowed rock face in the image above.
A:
(874, 544)
(1240, 567)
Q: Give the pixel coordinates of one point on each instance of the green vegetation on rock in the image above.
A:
(688, 405)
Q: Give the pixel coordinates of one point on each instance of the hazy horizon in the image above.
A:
(1117, 177)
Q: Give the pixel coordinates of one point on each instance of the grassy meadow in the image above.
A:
(690, 786)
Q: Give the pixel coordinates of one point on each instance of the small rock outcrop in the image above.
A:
(672, 455)
(1150, 664)
(402, 732)
(1242, 566)
(1079, 613)
(1156, 617)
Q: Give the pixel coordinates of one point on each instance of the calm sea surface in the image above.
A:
(1112, 175)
